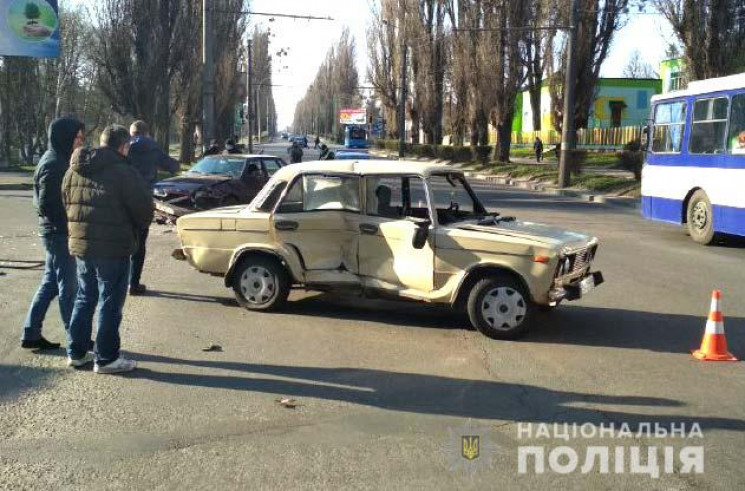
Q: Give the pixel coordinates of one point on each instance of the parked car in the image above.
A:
(301, 140)
(402, 230)
(214, 181)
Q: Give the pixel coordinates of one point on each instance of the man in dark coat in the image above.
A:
(538, 149)
(147, 158)
(296, 153)
(59, 279)
(107, 204)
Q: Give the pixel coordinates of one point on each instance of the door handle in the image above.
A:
(286, 225)
(368, 228)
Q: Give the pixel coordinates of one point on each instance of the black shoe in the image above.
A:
(40, 343)
(139, 289)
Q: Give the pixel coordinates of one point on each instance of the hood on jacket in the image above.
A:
(87, 162)
(62, 133)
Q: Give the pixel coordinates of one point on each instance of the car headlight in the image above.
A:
(160, 192)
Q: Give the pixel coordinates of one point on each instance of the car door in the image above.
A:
(387, 256)
(319, 218)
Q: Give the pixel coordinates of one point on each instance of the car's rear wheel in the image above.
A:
(261, 283)
(499, 307)
(700, 218)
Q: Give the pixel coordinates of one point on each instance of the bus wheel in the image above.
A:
(700, 217)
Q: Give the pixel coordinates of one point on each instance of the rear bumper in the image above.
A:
(577, 289)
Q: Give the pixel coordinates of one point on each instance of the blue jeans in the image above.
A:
(59, 281)
(138, 258)
(103, 283)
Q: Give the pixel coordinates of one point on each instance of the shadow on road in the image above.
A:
(569, 325)
(616, 328)
(229, 302)
(426, 394)
(399, 314)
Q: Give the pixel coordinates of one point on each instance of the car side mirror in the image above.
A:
(422, 232)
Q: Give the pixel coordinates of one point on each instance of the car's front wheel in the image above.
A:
(499, 307)
(261, 283)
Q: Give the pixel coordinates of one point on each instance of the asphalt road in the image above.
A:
(385, 390)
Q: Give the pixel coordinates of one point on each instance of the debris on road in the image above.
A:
(213, 348)
(288, 403)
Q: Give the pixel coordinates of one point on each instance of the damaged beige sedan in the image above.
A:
(403, 230)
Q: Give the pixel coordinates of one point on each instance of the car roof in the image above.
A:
(363, 167)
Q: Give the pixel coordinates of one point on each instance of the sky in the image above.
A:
(308, 42)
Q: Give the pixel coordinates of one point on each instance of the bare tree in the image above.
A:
(599, 20)
(637, 67)
(712, 34)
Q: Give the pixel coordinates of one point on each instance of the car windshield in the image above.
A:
(219, 165)
(454, 199)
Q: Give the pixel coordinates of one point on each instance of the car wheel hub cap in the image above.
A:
(700, 216)
(503, 308)
(258, 285)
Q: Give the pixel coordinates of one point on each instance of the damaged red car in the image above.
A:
(214, 182)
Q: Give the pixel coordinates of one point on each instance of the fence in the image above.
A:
(591, 139)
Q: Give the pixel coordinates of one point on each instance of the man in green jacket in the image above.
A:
(107, 202)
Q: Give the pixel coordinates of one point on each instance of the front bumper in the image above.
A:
(576, 289)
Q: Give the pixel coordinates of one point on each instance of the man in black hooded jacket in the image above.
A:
(59, 280)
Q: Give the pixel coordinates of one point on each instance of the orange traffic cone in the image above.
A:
(714, 344)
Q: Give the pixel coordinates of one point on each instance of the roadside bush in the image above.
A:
(482, 153)
(462, 154)
(632, 158)
(446, 152)
(427, 151)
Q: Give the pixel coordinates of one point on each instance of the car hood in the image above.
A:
(190, 182)
(538, 233)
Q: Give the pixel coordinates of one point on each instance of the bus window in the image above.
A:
(737, 125)
(709, 126)
(669, 122)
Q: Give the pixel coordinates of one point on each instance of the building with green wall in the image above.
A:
(619, 102)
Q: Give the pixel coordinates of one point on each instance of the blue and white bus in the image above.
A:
(355, 136)
(695, 159)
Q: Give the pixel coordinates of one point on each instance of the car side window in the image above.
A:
(332, 193)
(396, 197)
(252, 170)
(271, 166)
(316, 193)
(293, 200)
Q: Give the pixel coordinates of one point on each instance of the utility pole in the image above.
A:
(568, 134)
(249, 97)
(402, 98)
(208, 75)
(258, 115)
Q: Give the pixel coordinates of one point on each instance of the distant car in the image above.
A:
(301, 140)
(215, 181)
(346, 155)
(285, 136)
(410, 230)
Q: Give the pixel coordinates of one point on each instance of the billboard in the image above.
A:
(29, 28)
(352, 116)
